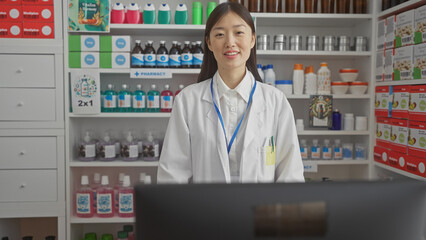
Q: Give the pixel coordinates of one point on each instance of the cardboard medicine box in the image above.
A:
(10, 13)
(381, 155)
(380, 61)
(37, 13)
(403, 63)
(83, 60)
(383, 131)
(400, 101)
(38, 30)
(11, 30)
(420, 25)
(37, 2)
(115, 44)
(417, 104)
(419, 61)
(381, 31)
(388, 65)
(416, 165)
(114, 60)
(398, 160)
(417, 139)
(83, 43)
(10, 2)
(383, 101)
(404, 29)
(399, 135)
(390, 32)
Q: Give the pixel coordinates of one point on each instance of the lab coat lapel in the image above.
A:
(220, 136)
(249, 155)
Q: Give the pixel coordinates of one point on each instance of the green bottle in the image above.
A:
(110, 99)
(107, 237)
(124, 99)
(153, 99)
(139, 99)
(122, 235)
(197, 13)
(210, 7)
(90, 236)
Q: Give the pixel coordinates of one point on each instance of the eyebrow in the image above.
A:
(235, 26)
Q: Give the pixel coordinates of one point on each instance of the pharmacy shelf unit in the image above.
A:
(399, 172)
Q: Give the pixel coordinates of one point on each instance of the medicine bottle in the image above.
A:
(337, 150)
(255, 5)
(326, 150)
(311, 6)
(359, 6)
(327, 6)
(105, 199)
(273, 6)
(150, 56)
(292, 6)
(342, 6)
(315, 150)
(87, 148)
(304, 151)
(129, 148)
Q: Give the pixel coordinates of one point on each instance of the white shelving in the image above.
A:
(404, 173)
(75, 220)
(122, 115)
(344, 96)
(336, 162)
(113, 164)
(313, 54)
(403, 82)
(332, 133)
(158, 29)
(171, 70)
(400, 8)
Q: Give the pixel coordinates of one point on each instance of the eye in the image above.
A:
(219, 35)
(240, 32)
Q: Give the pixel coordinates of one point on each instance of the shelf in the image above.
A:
(401, 8)
(337, 162)
(158, 29)
(171, 70)
(330, 132)
(30, 46)
(310, 19)
(404, 173)
(77, 220)
(121, 115)
(345, 96)
(402, 82)
(312, 54)
(138, 163)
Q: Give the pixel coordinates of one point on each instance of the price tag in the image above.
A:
(150, 73)
(85, 89)
(310, 166)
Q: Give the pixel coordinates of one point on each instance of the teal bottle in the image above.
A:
(139, 99)
(153, 99)
(149, 14)
(181, 14)
(164, 14)
(124, 99)
(110, 99)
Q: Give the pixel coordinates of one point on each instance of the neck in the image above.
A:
(232, 77)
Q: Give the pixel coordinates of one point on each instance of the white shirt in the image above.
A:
(232, 105)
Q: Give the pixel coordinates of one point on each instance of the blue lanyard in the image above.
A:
(221, 119)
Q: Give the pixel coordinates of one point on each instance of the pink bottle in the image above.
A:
(141, 17)
(180, 89)
(133, 14)
(166, 99)
(94, 186)
(116, 187)
(84, 199)
(126, 205)
(118, 13)
(105, 199)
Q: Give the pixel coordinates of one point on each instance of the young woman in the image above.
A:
(230, 127)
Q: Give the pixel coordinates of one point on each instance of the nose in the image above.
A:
(230, 40)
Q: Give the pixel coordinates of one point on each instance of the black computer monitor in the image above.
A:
(300, 211)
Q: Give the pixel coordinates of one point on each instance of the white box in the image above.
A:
(85, 91)
(90, 43)
(420, 25)
(388, 65)
(404, 29)
(89, 60)
(381, 30)
(403, 63)
(419, 68)
(121, 44)
(390, 32)
(120, 60)
(380, 62)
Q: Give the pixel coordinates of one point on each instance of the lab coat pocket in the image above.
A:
(266, 169)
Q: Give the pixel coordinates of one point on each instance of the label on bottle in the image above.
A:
(95, 202)
(304, 152)
(150, 59)
(83, 203)
(163, 60)
(156, 150)
(326, 152)
(186, 59)
(174, 60)
(198, 58)
(110, 101)
(90, 150)
(140, 146)
(104, 201)
(117, 147)
(109, 151)
(124, 101)
(153, 102)
(133, 151)
(166, 102)
(125, 203)
(316, 153)
(338, 154)
(138, 101)
(138, 60)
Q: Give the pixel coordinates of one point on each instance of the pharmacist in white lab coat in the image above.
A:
(229, 127)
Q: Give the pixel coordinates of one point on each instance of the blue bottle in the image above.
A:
(336, 120)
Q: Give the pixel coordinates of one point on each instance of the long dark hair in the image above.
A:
(209, 66)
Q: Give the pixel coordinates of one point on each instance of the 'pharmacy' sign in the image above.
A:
(150, 74)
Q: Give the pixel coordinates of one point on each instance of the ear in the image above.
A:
(253, 40)
(209, 45)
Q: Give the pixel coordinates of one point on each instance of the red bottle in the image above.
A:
(166, 99)
(126, 195)
(84, 199)
(180, 89)
(105, 199)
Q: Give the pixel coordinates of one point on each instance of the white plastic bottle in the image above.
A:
(311, 85)
(324, 79)
(298, 79)
(337, 150)
(260, 71)
(270, 75)
(151, 148)
(315, 150)
(129, 148)
(304, 150)
(326, 150)
(87, 148)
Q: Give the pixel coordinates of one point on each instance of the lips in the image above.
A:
(231, 53)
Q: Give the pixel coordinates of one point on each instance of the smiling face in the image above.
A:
(231, 40)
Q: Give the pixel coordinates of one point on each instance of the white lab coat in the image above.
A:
(195, 146)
